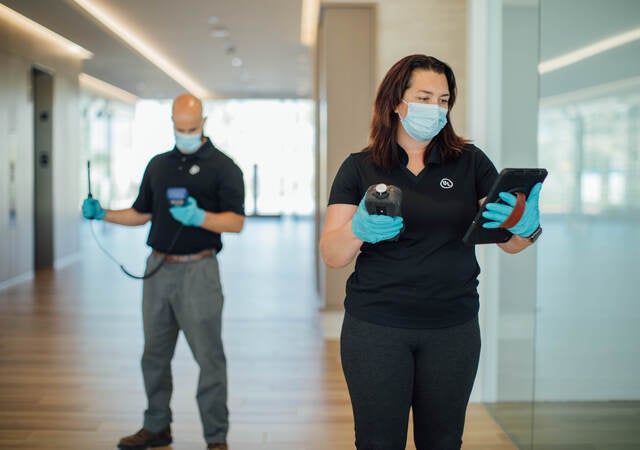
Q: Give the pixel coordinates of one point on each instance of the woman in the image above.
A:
(410, 337)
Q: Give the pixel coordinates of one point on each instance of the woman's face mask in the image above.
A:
(188, 143)
(423, 121)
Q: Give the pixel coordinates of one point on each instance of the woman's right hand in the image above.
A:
(374, 228)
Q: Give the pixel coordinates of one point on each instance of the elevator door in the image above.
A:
(42, 83)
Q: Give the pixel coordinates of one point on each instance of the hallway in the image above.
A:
(70, 342)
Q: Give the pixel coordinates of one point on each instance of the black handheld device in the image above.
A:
(509, 180)
(89, 179)
(383, 199)
(177, 196)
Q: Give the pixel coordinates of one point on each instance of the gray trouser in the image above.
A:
(185, 296)
(390, 370)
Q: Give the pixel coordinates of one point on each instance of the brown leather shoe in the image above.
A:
(144, 439)
(217, 447)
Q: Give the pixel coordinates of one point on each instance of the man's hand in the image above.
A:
(190, 214)
(91, 209)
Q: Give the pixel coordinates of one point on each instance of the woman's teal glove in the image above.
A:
(528, 223)
(91, 209)
(189, 214)
(374, 228)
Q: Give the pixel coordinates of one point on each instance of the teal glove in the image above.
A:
(91, 209)
(528, 223)
(374, 228)
(189, 214)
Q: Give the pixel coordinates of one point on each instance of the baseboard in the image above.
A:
(27, 276)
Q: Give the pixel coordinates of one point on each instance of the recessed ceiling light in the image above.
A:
(35, 28)
(309, 21)
(219, 32)
(96, 85)
(130, 37)
(236, 62)
(588, 51)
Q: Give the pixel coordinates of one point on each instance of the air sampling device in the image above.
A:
(383, 199)
(386, 200)
(176, 196)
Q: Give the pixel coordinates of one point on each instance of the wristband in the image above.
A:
(516, 213)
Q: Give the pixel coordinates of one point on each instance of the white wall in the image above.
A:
(20, 50)
(432, 27)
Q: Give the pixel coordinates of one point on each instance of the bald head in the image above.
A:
(187, 114)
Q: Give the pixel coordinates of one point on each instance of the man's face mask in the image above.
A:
(424, 121)
(188, 143)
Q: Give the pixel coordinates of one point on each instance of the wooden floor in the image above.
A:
(71, 339)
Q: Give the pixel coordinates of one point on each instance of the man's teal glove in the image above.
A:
(189, 214)
(91, 209)
(374, 228)
(528, 223)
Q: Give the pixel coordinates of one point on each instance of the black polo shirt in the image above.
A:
(428, 278)
(210, 176)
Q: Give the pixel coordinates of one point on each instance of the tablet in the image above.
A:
(509, 180)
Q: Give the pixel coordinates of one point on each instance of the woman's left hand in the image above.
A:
(497, 213)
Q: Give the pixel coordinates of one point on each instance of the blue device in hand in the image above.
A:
(177, 196)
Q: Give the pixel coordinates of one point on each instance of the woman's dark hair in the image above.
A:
(385, 122)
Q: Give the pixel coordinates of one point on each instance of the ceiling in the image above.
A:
(264, 35)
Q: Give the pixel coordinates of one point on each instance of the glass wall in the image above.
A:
(271, 140)
(106, 136)
(571, 380)
(587, 371)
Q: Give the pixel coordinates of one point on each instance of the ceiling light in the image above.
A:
(35, 28)
(219, 32)
(309, 22)
(236, 62)
(588, 51)
(105, 89)
(146, 50)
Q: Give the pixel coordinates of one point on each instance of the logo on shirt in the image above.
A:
(446, 183)
(194, 169)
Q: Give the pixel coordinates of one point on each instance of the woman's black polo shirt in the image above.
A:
(428, 278)
(210, 176)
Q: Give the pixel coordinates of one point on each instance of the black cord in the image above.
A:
(147, 274)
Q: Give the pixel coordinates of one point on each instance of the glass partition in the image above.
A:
(587, 358)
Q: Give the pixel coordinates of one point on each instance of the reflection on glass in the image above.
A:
(587, 388)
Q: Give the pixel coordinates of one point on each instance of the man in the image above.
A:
(185, 294)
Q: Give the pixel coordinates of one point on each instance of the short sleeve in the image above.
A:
(144, 201)
(231, 190)
(346, 184)
(486, 173)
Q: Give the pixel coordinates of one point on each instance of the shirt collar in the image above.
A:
(434, 156)
(204, 152)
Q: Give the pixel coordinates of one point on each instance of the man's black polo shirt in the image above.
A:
(428, 278)
(210, 176)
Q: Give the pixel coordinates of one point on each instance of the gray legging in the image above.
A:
(390, 370)
(188, 297)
